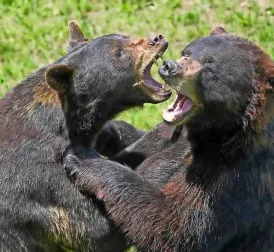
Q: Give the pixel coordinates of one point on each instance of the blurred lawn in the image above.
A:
(34, 33)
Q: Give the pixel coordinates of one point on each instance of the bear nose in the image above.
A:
(169, 66)
(156, 39)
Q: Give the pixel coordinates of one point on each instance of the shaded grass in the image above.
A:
(34, 33)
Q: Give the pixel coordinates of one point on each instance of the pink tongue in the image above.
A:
(187, 104)
(181, 105)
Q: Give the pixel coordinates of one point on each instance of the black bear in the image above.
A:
(222, 199)
(40, 209)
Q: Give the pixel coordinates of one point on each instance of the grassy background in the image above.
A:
(34, 33)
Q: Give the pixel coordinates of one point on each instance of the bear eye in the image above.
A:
(119, 52)
(208, 59)
(185, 54)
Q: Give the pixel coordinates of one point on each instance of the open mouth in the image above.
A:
(157, 90)
(179, 109)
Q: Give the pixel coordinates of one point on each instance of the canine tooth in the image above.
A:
(155, 61)
(169, 117)
(164, 88)
(136, 84)
(161, 57)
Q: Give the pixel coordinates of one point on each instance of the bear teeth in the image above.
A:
(155, 61)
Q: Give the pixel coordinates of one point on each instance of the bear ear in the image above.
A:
(58, 77)
(218, 30)
(76, 35)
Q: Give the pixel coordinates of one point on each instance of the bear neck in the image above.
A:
(214, 146)
(84, 124)
(216, 150)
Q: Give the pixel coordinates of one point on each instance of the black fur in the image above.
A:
(116, 136)
(156, 156)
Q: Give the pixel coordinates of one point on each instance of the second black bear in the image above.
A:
(223, 199)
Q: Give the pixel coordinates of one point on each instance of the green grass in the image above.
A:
(34, 33)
